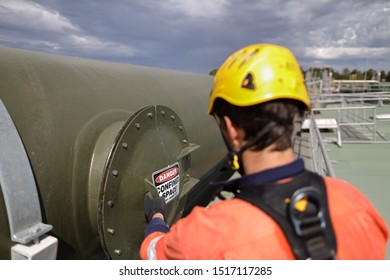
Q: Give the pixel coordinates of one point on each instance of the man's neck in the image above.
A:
(254, 161)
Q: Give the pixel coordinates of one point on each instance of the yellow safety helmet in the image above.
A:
(259, 73)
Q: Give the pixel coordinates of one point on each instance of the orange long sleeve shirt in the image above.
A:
(235, 229)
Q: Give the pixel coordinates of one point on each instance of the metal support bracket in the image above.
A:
(18, 185)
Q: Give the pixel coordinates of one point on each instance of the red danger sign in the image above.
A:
(167, 175)
(167, 181)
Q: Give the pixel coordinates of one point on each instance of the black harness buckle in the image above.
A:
(315, 222)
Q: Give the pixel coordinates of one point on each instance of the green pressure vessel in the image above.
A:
(97, 136)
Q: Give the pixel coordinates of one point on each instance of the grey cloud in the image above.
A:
(29, 15)
(197, 35)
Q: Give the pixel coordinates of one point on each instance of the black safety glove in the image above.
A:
(153, 205)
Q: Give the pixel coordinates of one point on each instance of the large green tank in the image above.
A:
(97, 136)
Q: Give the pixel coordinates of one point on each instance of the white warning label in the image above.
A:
(167, 181)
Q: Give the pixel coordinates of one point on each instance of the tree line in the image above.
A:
(347, 74)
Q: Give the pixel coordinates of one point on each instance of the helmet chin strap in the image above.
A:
(235, 158)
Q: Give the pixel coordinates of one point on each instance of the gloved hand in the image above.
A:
(153, 205)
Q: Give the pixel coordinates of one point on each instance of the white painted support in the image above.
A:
(46, 249)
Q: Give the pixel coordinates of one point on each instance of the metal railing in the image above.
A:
(320, 159)
(355, 114)
(356, 124)
(378, 98)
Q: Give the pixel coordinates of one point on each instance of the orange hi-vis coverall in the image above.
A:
(235, 229)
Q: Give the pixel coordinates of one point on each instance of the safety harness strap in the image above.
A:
(301, 209)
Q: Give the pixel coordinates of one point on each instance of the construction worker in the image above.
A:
(280, 209)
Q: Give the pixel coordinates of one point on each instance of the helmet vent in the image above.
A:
(235, 59)
(248, 82)
(252, 54)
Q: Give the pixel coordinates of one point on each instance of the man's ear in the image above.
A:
(234, 134)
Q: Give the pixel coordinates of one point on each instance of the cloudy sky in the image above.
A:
(197, 35)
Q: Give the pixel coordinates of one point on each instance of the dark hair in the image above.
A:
(252, 119)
